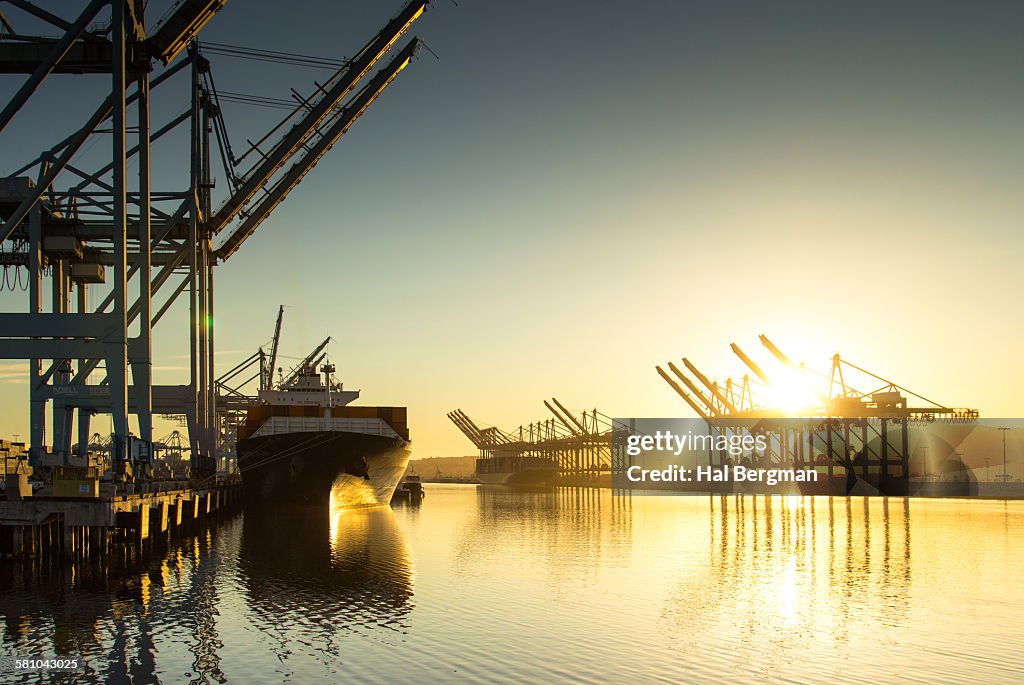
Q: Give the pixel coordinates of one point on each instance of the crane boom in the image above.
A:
(561, 419)
(289, 180)
(492, 435)
(297, 136)
(786, 361)
(461, 419)
(568, 413)
(180, 28)
(482, 438)
(750, 363)
(710, 386)
(467, 430)
(712, 409)
(238, 369)
(701, 412)
(272, 362)
(310, 358)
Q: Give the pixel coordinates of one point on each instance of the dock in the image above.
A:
(75, 528)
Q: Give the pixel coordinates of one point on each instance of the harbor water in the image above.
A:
(481, 584)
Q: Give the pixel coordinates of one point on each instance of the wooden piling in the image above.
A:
(77, 530)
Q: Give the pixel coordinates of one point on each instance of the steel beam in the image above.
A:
(194, 417)
(291, 178)
(289, 145)
(56, 167)
(142, 372)
(53, 151)
(57, 325)
(37, 405)
(46, 348)
(83, 57)
(84, 416)
(40, 13)
(46, 66)
(116, 352)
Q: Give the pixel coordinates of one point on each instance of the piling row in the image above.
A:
(78, 528)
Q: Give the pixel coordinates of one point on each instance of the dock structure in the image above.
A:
(816, 420)
(104, 254)
(79, 526)
(583, 446)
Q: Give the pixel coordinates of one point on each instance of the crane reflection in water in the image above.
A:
(789, 571)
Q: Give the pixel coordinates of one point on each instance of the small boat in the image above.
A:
(410, 488)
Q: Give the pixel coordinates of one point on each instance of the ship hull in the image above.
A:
(520, 478)
(337, 468)
(516, 470)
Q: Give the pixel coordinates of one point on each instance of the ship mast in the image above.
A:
(328, 371)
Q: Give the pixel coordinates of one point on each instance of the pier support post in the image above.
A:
(159, 517)
(142, 532)
(174, 513)
(68, 541)
(96, 540)
(190, 508)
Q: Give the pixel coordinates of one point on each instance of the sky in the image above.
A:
(571, 193)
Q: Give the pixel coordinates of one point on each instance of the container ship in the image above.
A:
(516, 470)
(303, 443)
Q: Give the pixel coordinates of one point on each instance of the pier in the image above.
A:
(79, 527)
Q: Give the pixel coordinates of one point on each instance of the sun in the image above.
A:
(790, 392)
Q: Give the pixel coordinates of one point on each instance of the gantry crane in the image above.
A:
(845, 430)
(484, 438)
(89, 233)
(582, 447)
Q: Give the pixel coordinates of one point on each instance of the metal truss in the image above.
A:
(108, 235)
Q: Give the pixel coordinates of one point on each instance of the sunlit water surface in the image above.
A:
(486, 585)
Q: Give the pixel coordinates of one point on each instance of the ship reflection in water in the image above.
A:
(349, 571)
(486, 585)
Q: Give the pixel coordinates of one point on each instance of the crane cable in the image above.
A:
(275, 56)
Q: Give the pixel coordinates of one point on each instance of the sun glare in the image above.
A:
(790, 391)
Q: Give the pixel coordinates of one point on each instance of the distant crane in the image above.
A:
(846, 428)
(267, 366)
(581, 448)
